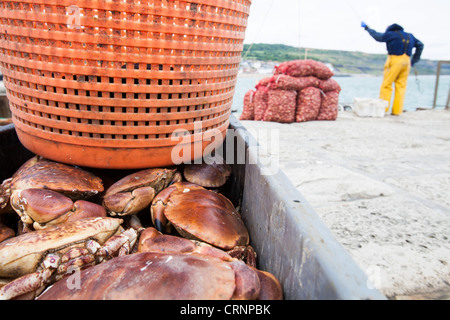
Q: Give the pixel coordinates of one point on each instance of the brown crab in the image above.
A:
(159, 276)
(212, 173)
(190, 284)
(200, 214)
(151, 240)
(38, 258)
(38, 178)
(136, 191)
(73, 182)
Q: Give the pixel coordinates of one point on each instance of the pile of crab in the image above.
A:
(161, 233)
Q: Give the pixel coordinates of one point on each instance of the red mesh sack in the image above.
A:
(281, 106)
(248, 112)
(260, 103)
(304, 68)
(264, 82)
(329, 85)
(309, 101)
(285, 82)
(329, 109)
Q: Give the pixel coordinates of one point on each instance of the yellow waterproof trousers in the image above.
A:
(396, 70)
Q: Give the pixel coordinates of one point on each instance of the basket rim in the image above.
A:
(119, 143)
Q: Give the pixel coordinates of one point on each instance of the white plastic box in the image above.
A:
(369, 107)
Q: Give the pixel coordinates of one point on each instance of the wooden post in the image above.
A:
(447, 106)
(436, 89)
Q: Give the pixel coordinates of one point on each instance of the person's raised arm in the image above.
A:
(376, 35)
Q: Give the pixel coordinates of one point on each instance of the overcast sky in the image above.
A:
(335, 24)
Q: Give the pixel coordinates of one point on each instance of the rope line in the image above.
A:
(259, 31)
(354, 10)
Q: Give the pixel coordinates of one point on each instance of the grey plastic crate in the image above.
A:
(5, 112)
(289, 237)
(291, 240)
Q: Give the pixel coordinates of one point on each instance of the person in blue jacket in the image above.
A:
(400, 45)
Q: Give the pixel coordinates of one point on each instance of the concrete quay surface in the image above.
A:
(382, 186)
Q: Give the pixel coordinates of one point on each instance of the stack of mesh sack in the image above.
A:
(299, 91)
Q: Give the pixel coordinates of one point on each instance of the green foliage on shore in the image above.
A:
(345, 62)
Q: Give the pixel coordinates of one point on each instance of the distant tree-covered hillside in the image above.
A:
(345, 62)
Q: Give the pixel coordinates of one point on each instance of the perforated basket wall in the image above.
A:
(106, 83)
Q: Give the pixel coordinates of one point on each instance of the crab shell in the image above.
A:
(204, 215)
(71, 181)
(158, 276)
(22, 255)
(152, 240)
(28, 164)
(136, 191)
(41, 208)
(212, 175)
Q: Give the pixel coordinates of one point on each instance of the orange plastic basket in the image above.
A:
(105, 84)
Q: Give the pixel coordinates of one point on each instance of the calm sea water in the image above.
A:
(419, 94)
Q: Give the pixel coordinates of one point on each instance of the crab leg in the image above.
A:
(75, 259)
(5, 195)
(120, 244)
(31, 282)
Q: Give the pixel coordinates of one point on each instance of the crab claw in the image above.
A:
(158, 218)
(41, 208)
(157, 209)
(244, 253)
(123, 204)
(84, 209)
(159, 204)
(136, 191)
(39, 205)
(270, 286)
